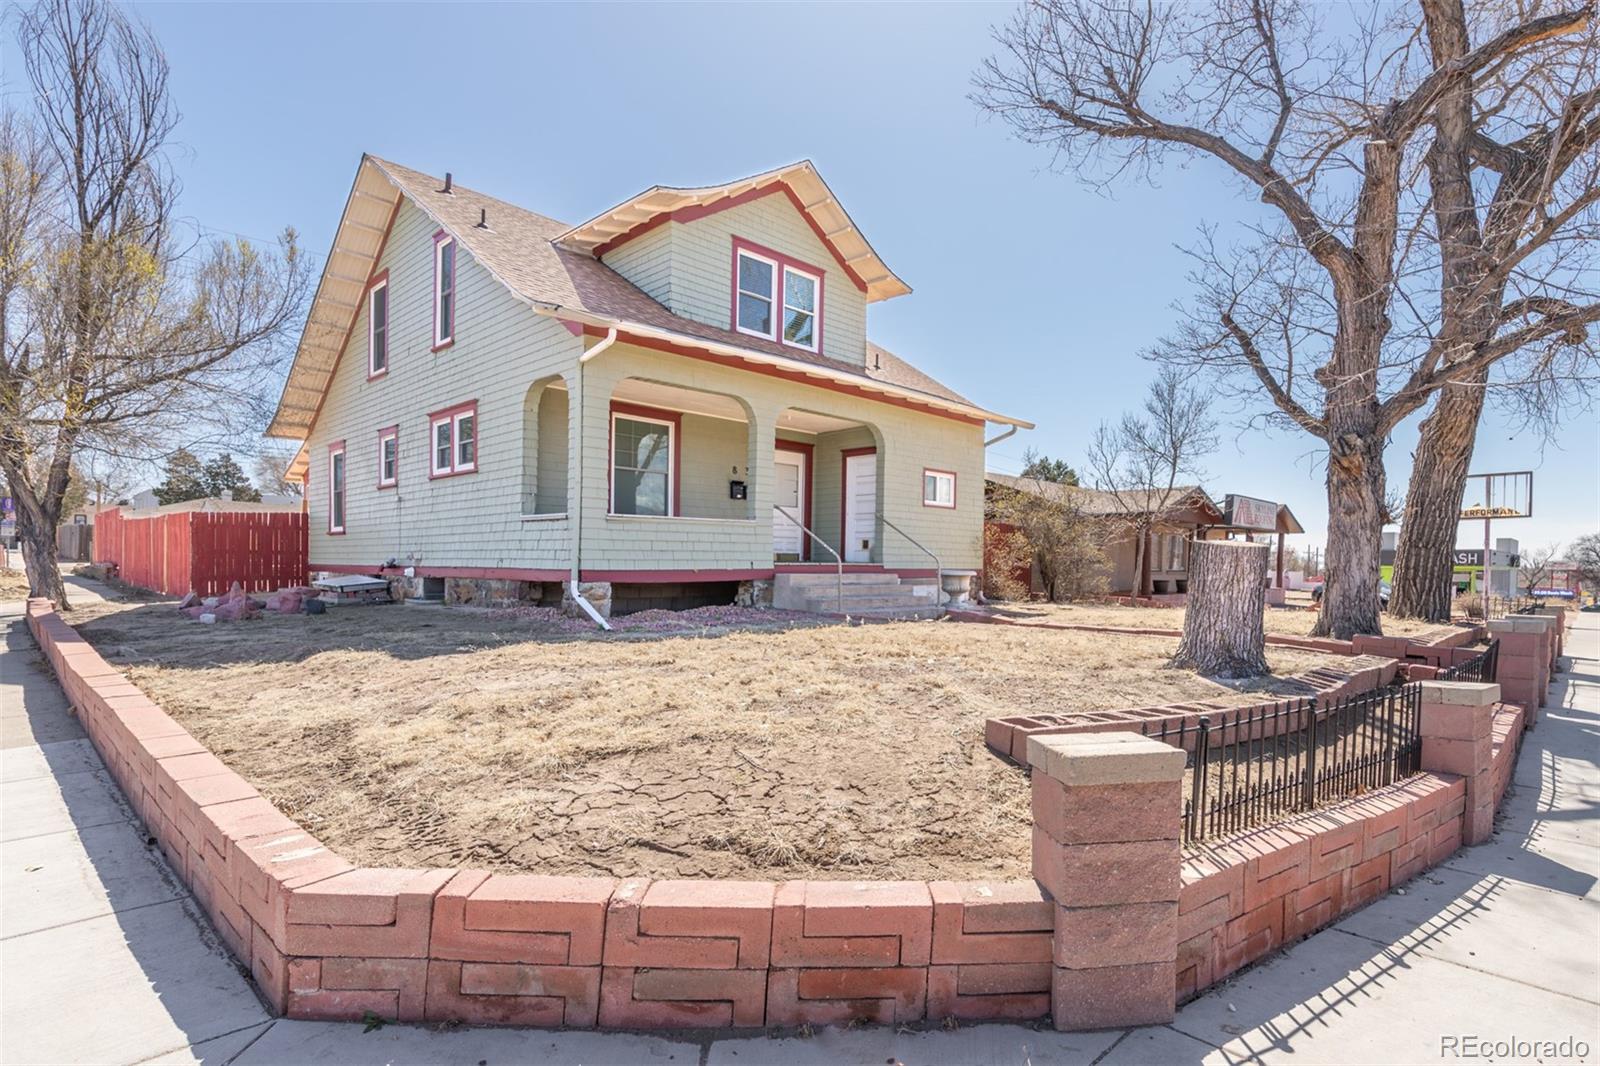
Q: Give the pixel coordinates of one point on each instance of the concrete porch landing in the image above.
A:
(867, 594)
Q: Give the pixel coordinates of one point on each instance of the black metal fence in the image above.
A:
(1481, 667)
(1257, 765)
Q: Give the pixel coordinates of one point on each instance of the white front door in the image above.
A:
(789, 493)
(860, 506)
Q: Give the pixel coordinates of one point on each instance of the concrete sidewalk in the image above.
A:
(104, 957)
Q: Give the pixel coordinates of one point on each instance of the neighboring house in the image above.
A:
(1191, 514)
(499, 406)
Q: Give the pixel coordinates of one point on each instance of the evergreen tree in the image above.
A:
(1045, 468)
(224, 476)
(186, 478)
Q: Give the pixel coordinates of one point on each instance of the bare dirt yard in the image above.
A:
(13, 584)
(1293, 621)
(405, 735)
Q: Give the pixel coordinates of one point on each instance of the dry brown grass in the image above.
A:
(425, 736)
(13, 584)
(1295, 621)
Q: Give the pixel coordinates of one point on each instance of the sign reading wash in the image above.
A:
(1247, 512)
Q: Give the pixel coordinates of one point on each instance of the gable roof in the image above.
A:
(811, 196)
(519, 249)
(1100, 502)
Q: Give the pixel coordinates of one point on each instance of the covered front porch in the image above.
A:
(805, 487)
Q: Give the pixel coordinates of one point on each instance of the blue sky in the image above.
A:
(1033, 295)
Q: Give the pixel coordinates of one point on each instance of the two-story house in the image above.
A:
(674, 402)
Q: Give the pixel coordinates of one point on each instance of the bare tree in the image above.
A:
(118, 332)
(1535, 566)
(1324, 312)
(1585, 560)
(1147, 462)
(271, 471)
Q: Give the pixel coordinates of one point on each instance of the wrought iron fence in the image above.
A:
(1481, 667)
(1256, 765)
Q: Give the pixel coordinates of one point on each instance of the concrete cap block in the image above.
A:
(1461, 693)
(1104, 758)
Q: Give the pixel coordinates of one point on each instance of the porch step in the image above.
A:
(865, 595)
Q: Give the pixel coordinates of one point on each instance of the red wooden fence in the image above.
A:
(205, 551)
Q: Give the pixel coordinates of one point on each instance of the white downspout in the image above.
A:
(996, 440)
(577, 474)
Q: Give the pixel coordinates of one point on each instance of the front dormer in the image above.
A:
(773, 258)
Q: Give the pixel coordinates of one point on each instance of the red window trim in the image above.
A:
(434, 418)
(622, 407)
(845, 455)
(954, 482)
(384, 434)
(785, 262)
(379, 280)
(455, 285)
(810, 452)
(337, 447)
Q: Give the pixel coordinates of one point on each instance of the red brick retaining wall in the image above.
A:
(326, 939)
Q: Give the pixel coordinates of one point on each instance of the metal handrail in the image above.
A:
(938, 567)
(839, 585)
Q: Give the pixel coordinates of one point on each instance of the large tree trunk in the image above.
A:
(1355, 535)
(1223, 629)
(1423, 558)
(1422, 562)
(36, 529)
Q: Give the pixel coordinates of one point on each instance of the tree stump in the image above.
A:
(1223, 631)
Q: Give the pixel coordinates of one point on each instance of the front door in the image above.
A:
(860, 506)
(789, 493)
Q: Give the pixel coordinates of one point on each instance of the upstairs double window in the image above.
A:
(776, 297)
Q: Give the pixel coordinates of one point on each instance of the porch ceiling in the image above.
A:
(715, 405)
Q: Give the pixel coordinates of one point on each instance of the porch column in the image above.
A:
(1280, 558)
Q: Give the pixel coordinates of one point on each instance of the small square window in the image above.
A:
(938, 488)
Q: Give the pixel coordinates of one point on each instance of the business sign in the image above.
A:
(1558, 594)
(1473, 557)
(1505, 495)
(1247, 512)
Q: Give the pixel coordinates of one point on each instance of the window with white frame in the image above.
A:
(799, 308)
(388, 458)
(444, 291)
(336, 488)
(938, 488)
(641, 465)
(757, 279)
(453, 437)
(776, 298)
(378, 329)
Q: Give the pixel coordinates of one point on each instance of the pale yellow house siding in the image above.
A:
(502, 346)
(688, 266)
(907, 441)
